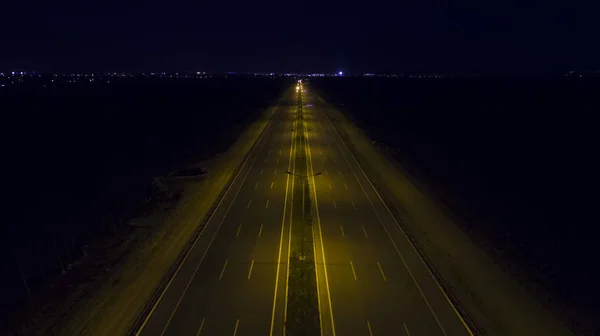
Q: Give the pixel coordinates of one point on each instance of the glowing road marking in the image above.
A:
(267, 205)
(223, 270)
(260, 230)
(365, 231)
(248, 206)
(406, 328)
(334, 205)
(237, 324)
(353, 272)
(342, 229)
(381, 270)
(369, 326)
(250, 271)
(238, 230)
(256, 185)
(329, 186)
(353, 206)
(201, 325)
(272, 185)
(345, 186)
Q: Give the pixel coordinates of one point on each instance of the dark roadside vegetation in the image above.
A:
(514, 158)
(79, 161)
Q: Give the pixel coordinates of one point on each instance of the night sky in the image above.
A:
(399, 36)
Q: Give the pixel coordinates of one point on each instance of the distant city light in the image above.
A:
(340, 73)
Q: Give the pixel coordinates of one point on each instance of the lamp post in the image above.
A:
(302, 177)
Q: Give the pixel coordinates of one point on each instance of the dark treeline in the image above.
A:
(78, 160)
(519, 155)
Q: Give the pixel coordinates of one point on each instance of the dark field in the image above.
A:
(78, 161)
(516, 159)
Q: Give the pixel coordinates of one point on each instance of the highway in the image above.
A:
(370, 279)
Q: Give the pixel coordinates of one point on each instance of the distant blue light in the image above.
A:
(340, 73)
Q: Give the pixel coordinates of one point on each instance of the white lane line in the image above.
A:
(275, 172)
(365, 231)
(334, 205)
(267, 205)
(329, 186)
(256, 185)
(353, 206)
(345, 186)
(342, 229)
(250, 271)
(237, 324)
(261, 171)
(381, 270)
(238, 230)
(406, 328)
(223, 270)
(272, 185)
(369, 327)
(260, 230)
(248, 206)
(353, 271)
(200, 329)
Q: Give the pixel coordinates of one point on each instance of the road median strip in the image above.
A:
(302, 305)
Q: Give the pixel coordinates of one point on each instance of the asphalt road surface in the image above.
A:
(370, 279)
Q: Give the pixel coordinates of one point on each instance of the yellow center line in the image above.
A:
(369, 327)
(237, 324)
(200, 329)
(381, 270)
(250, 271)
(223, 270)
(353, 272)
